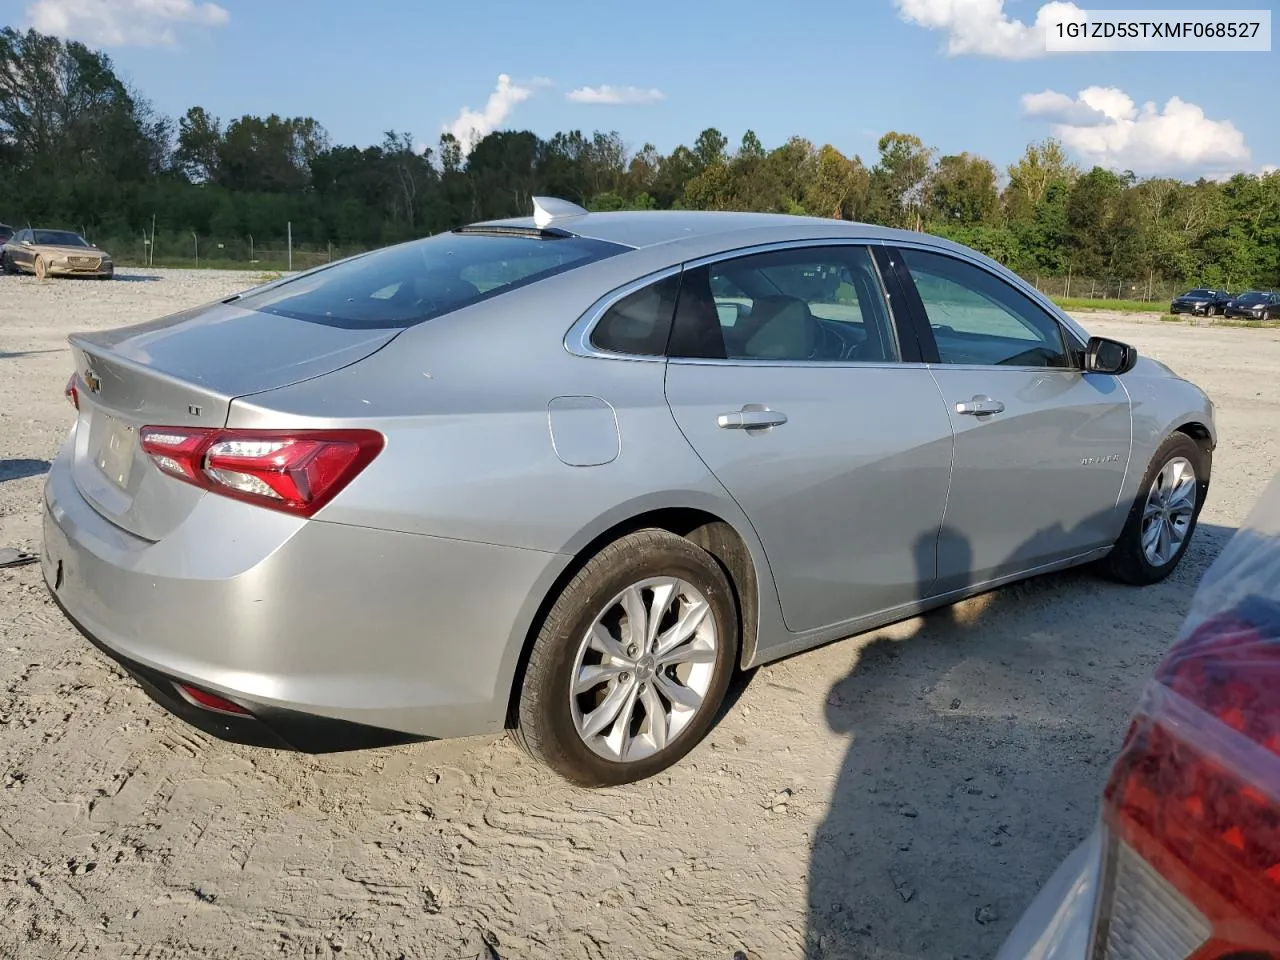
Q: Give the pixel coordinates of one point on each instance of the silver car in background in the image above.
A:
(566, 474)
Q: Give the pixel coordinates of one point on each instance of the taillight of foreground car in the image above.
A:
(297, 472)
(1192, 809)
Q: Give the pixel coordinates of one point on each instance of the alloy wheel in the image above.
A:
(643, 669)
(1166, 517)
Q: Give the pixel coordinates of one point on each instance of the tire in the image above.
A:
(549, 719)
(1210, 312)
(42, 271)
(6, 265)
(1129, 561)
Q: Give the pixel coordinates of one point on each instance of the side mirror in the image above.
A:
(1103, 355)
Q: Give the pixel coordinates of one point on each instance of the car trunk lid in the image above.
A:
(184, 370)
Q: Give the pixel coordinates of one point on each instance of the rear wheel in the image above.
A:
(632, 663)
(1164, 514)
(42, 270)
(6, 265)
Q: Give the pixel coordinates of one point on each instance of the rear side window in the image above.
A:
(418, 281)
(640, 323)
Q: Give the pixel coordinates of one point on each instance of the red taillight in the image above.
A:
(72, 392)
(210, 701)
(1195, 792)
(294, 471)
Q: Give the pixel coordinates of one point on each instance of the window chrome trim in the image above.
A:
(578, 339)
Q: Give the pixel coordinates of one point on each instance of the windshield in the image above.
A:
(1251, 298)
(1198, 293)
(58, 238)
(407, 284)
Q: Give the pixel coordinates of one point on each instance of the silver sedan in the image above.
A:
(566, 474)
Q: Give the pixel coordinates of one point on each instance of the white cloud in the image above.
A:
(1104, 126)
(471, 126)
(118, 23)
(616, 95)
(982, 28)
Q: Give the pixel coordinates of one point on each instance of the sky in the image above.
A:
(960, 74)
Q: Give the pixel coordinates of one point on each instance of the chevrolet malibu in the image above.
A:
(565, 474)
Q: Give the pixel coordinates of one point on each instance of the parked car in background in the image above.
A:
(1201, 302)
(6, 232)
(1185, 861)
(568, 473)
(55, 253)
(1254, 305)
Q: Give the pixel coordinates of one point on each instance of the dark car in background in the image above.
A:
(1201, 302)
(6, 232)
(1254, 305)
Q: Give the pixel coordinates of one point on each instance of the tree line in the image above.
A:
(79, 147)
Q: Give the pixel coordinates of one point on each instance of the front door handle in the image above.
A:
(979, 406)
(753, 416)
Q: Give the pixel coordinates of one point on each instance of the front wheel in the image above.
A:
(6, 265)
(42, 270)
(1164, 514)
(631, 664)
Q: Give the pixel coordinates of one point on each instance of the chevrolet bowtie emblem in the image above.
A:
(91, 380)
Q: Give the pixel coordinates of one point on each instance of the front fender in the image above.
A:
(1162, 404)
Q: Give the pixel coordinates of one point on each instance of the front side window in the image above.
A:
(413, 282)
(640, 323)
(979, 319)
(816, 304)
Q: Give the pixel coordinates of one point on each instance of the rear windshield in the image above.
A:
(407, 284)
(59, 238)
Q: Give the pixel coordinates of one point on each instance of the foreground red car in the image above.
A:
(1185, 861)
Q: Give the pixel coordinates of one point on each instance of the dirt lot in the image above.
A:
(898, 795)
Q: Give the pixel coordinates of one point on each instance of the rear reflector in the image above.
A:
(72, 392)
(294, 471)
(210, 701)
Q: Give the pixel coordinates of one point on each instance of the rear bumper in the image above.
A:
(263, 726)
(1059, 921)
(301, 622)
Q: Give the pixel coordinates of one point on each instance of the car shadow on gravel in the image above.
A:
(974, 765)
(22, 469)
(137, 277)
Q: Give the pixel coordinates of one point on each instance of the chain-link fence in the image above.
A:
(1148, 290)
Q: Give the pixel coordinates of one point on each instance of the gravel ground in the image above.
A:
(901, 794)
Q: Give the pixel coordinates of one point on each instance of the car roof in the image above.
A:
(647, 228)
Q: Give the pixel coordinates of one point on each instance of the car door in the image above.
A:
(785, 372)
(1041, 448)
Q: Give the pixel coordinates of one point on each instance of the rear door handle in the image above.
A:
(979, 406)
(753, 416)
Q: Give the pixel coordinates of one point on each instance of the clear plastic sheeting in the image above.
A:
(1195, 792)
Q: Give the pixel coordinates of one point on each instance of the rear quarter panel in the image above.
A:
(464, 403)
